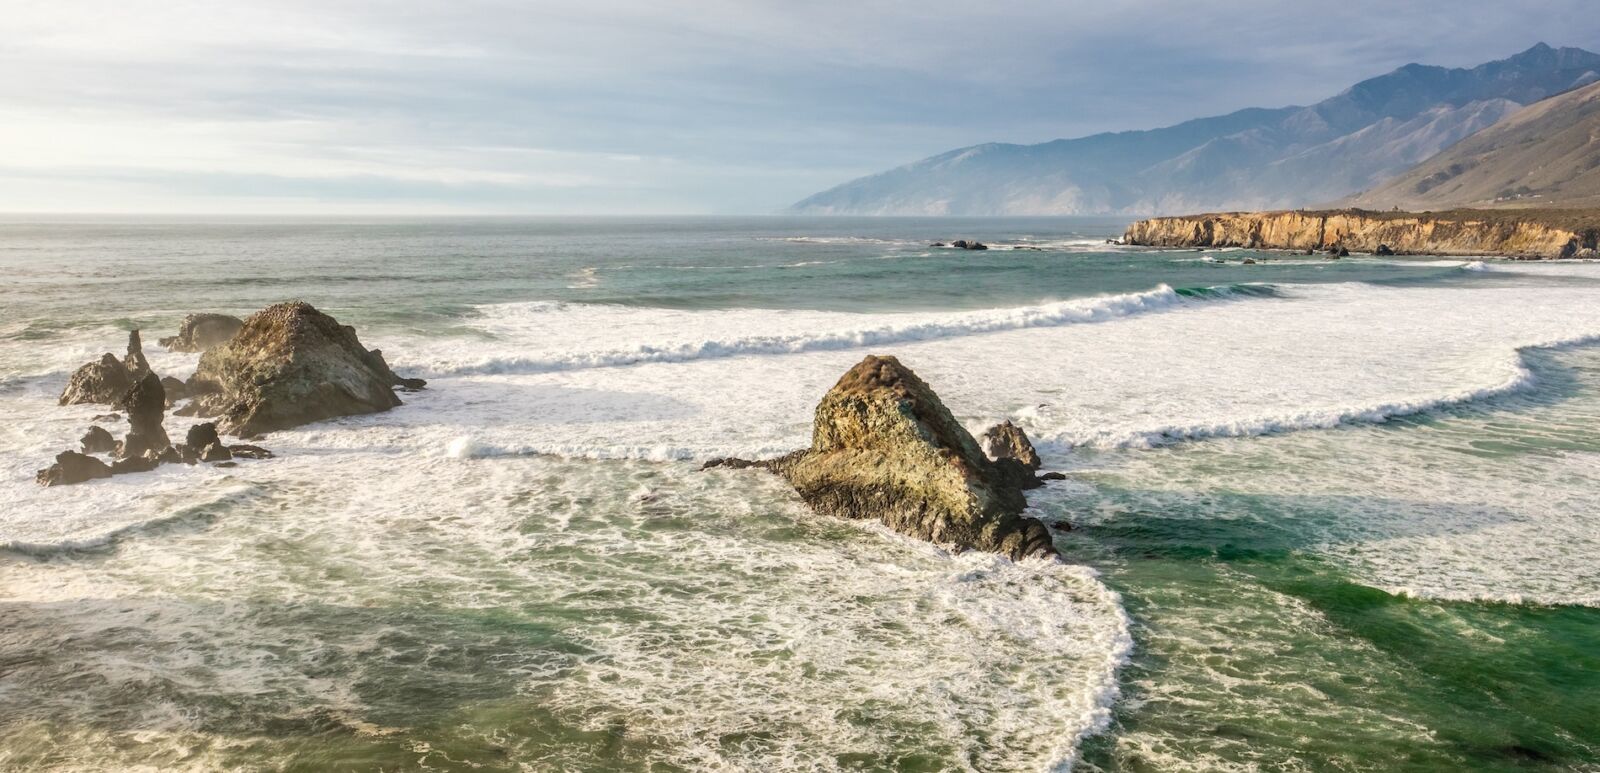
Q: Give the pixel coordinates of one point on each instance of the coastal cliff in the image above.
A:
(1518, 233)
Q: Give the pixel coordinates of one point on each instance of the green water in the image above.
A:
(1258, 651)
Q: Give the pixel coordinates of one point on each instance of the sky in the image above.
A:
(633, 107)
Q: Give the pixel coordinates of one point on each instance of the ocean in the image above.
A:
(1325, 515)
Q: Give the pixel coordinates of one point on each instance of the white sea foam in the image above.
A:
(687, 336)
(377, 512)
(715, 608)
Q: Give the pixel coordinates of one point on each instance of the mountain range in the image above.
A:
(1255, 158)
(1546, 155)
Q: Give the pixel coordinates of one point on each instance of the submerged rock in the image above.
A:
(72, 467)
(199, 332)
(291, 365)
(249, 452)
(144, 462)
(216, 452)
(884, 447)
(98, 441)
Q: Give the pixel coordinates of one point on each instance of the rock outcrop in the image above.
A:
(106, 379)
(291, 365)
(1012, 453)
(199, 332)
(98, 441)
(884, 447)
(72, 467)
(102, 381)
(1512, 233)
(135, 362)
(146, 405)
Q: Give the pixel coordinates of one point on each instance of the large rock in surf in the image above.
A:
(72, 467)
(291, 365)
(199, 332)
(884, 446)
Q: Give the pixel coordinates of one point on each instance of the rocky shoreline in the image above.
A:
(1541, 235)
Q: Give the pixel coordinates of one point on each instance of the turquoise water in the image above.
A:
(1327, 515)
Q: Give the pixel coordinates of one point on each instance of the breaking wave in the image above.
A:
(899, 328)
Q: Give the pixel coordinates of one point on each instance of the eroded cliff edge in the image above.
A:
(1511, 233)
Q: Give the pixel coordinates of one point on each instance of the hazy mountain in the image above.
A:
(1546, 155)
(1251, 159)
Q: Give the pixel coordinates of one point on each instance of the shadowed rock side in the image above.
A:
(146, 405)
(1012, 454)
(1539, 234)
(291, 365)
(885, 447)
(199, 332)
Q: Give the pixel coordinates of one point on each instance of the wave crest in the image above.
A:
(918, 328)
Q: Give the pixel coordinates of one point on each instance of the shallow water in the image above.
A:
(1329, 515)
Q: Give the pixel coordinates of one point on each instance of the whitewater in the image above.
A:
(523, 566)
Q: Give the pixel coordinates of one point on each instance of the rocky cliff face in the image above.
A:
(884, 446)
(1465, 232)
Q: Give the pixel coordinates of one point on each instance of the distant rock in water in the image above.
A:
(963, 244)
(884, 447)
(291, 365)
(72, 467)
(199, 332)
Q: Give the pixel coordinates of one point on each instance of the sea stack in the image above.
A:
(883, 446)
(146, 404)
(291, 365)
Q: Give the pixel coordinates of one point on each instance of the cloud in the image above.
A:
(631, 106)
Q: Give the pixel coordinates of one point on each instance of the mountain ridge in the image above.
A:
(1220, 162)
(1547, 154)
